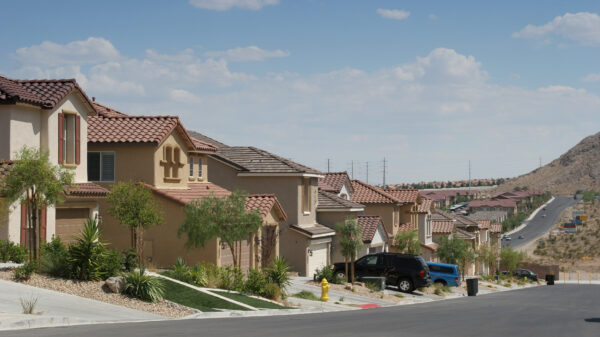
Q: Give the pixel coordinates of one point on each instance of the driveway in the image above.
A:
(55, 308)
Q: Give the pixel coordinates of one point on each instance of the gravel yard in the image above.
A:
(96, 290)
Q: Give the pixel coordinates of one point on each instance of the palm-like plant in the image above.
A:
(84, 253)
(277, 273)
(145, 287)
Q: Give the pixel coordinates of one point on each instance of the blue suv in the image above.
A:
(446, 274)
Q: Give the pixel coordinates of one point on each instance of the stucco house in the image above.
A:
(304, 242)
(510, 206)
(53, 116)
(158, 151)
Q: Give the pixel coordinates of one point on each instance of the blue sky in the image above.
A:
(429, 85)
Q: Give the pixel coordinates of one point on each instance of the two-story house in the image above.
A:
(304, 242)
(158, 151)
(53, 116)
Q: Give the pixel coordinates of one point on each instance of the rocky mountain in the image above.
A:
(578, 168)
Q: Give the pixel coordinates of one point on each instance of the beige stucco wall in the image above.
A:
(175, 141)
(133, 162)
(386, 212)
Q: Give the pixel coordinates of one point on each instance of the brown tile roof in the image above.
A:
(263, 204)
(202, 146)
(193, 192)
(404, 195)
(255, 160)
(206, 139)
(425, 205)
(369, 194)
(442, 227)
(463, 234)
(485, 224)
(407, 227)
(488, 215)
(369, 225)
(331, 201)
(505, 203)
(460, 220)
(314, 231)
(334, 181)
(107, 111)
(43, 93)
(86, 190)
(496, 228)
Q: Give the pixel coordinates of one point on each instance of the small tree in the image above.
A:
(407, 242)
(351, 241)
(489, 255)
(455, 251)
(37, 184)
(223, 218)
(133, 206)
(510, 258)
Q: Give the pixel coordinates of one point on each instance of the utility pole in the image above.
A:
(367, 172)
(469, 177)
(327, 165)
(384, 167)
(352, 172)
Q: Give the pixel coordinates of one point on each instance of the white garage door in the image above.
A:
(318, 258)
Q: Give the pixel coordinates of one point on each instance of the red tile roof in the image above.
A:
(505, 203)
(328, 201)
(369, 194)
(106, 111)
(85, 190)
(463, 234)
(496, 228)
(203, 146)
(263, 204)
(43, 93)
(407, 227)
(334, 181)
(425, 205)
(443, 227)
(193, 192)
(485, 224)
(369, 225)
(404, 195)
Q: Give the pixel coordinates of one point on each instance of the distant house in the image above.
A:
(503, 205)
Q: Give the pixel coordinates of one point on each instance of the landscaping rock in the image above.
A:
(116, 284)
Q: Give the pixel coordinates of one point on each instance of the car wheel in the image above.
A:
(405, 285)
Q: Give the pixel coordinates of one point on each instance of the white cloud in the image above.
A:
(50, 54)
(593, 77)
(583, 27)
(395, 14)
(250, 53)
(224, 5)
(432, 16)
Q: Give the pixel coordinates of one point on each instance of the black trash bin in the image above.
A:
(550, 279)
(472, 286)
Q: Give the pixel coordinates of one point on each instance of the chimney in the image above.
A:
(93, 99)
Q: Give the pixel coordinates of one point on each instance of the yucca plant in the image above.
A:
(144, 287)
(277, 273)
(84, 254)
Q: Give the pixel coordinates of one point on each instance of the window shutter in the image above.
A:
(43, 222)
(77, 139)
(23, 224)
(61, 138)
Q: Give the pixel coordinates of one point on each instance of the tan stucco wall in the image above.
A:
(175, 141)
(133, 162)
(386, 212)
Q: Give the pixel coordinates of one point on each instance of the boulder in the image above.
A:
(116, 284)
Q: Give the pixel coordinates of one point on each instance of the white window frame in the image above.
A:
(100, 172)
(191, 163)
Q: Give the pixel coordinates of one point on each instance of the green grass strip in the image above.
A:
(189, 297)
(251, 301)
(307, 295)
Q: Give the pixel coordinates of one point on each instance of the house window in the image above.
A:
(101, 166)
(306, 202)
(175, 163)
(199, 167)
(69, 136)
(191, 166)
(171, 163)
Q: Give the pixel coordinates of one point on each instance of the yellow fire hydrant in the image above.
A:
(324, 289)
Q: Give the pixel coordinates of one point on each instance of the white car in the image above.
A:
(506, 237)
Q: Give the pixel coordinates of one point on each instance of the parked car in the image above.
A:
(445, 274)
(521, 237)
(506, 237)
(405, 271)
(522, 273)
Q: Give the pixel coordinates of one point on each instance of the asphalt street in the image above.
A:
(540, 224)
(560, 310)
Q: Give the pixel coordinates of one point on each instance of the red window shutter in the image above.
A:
(77, 139)
(23, 224)
(43, 222)
(61, 138)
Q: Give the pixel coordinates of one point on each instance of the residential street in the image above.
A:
(558, 310)
(540, 224)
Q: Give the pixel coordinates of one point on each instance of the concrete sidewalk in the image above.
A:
(299, 284)
(55, 308)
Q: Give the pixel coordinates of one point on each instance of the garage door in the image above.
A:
(69, 222)
(317, 259)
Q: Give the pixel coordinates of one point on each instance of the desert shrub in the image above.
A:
(110, 263)
(53, 259)
(85, 253)
(272, 291)
(131, 259)
(24, 272)
(9, 251)
(144, 287)
(256, 282)
(277, 273)
(327, 273)
(230, 278)
(196, 275)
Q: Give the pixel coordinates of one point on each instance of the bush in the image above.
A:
(327, 273)
(131, 259)
(24, 272)
(307, 295)
(110, 263)
(272, 291)
(230, 278)
(277, 273)
(197, 275)
(256, 283)
(85, 253)
(144, 287)
(53, 259)
(9, 251)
